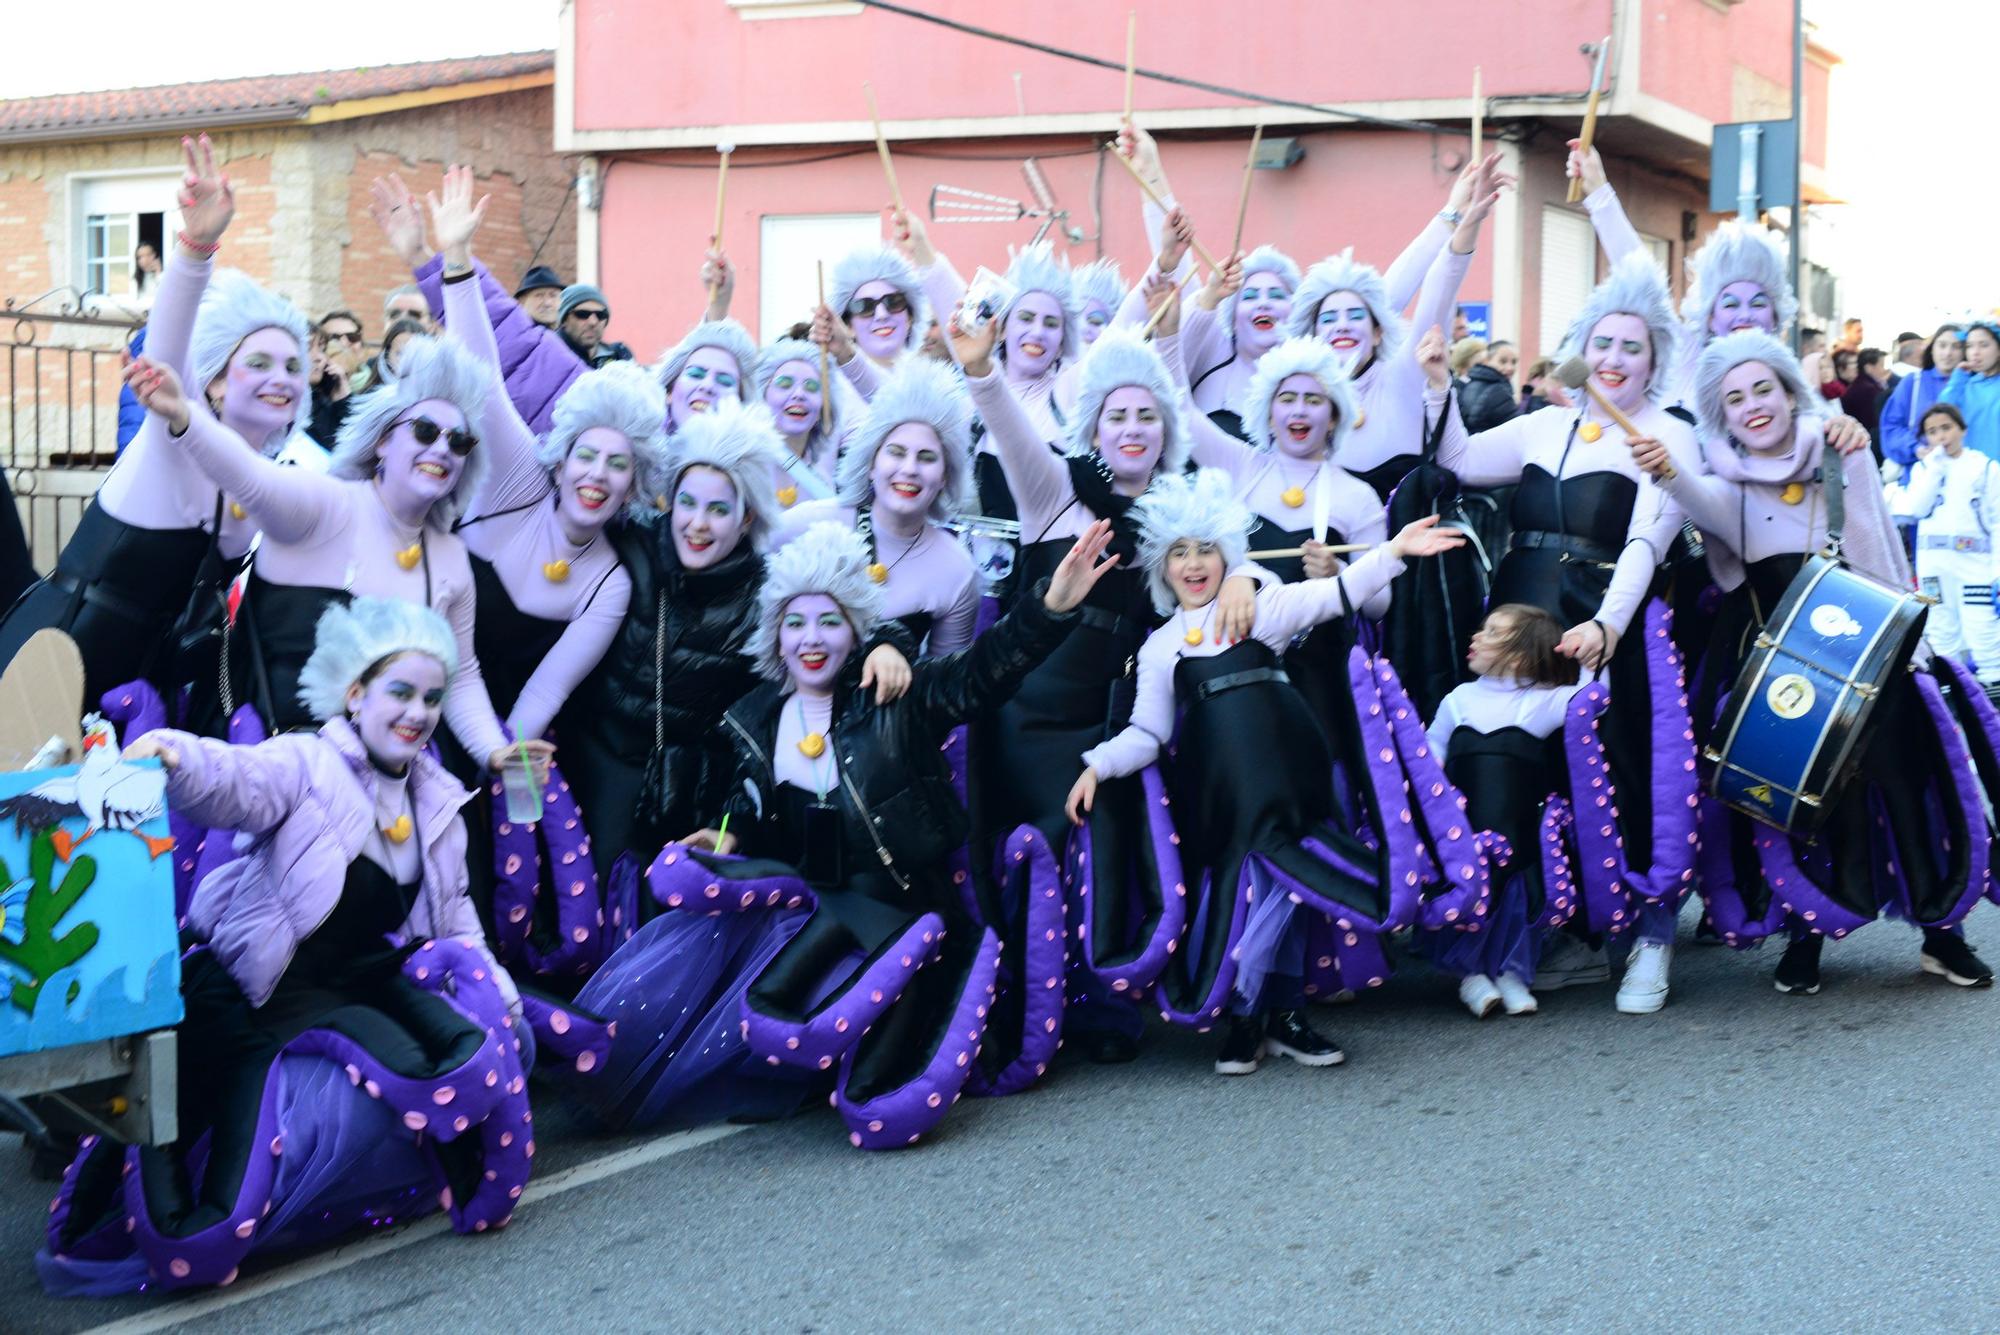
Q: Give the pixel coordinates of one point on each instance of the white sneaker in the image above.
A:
(1568, 962)
(1515, 996)
(1644, 989)
(1479, 995)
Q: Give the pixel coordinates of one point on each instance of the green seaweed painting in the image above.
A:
(32, 911)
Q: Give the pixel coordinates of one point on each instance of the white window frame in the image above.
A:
(788, 245)
(129, 192)
(793, 9)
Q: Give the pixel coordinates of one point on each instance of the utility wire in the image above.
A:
(1358, 117)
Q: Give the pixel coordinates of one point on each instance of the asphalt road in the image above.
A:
(1741, 1161)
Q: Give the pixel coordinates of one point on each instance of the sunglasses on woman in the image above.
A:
(893, 302)
(426, 432)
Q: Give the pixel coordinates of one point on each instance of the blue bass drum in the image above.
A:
(1834, 643)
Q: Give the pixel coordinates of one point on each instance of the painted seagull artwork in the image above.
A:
(105, 793)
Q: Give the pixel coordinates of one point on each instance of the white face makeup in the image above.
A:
(1096, 319)
(398, 709)
(880, 330)
(814, 642)
(1742, 305)
(795, 397)
(1261, 308)
(414, 471)
(705, 516)
(1619, 352)
(1034, 335)
(909, 472)
(263, 385)
(1301, 417)
(596, 478)
(1345, 325)
(1131, 432)
(710, 375)
(1194, 572)
(1757, 409)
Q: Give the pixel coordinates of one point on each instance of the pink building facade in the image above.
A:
(646, 93)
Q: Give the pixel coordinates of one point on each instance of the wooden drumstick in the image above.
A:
(1575, 374)
(715, 234)
(1154, 195)
(825, 379)
(1339, 549)
(1590, 116)
(1173, 295)
(882, 147)
(1243, 199)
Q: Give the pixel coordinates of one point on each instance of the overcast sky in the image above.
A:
(1910, 107)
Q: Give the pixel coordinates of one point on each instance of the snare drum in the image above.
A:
(1801, 705)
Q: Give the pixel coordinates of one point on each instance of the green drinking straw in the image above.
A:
(722, 833)
(529, 766)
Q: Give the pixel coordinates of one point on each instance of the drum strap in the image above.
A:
(1833, 477)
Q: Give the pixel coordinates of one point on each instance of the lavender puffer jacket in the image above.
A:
(306, 802)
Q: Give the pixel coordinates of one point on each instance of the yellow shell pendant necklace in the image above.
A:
(813, 744)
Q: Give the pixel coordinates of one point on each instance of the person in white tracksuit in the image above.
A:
(1954, 494)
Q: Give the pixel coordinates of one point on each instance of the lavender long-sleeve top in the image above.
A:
(1283, 610)
(1498, 457)
(151, 486)
(935, 578)
(1391, 393)
(315, 526)
(511, 524)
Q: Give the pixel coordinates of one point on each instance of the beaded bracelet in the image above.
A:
(196, 246)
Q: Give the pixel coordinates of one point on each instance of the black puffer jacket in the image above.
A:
(1485, 400)
(897, 804)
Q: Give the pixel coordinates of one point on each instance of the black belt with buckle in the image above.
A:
(1229, 681)
(1583, 549)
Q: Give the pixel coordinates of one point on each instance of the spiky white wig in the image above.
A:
(624, 397)
(1120, 358)
(1725, 354)
(1737, 253)
(1203, 507)
(432, 368)
(857, 268)
(1264, 259)
(232, 308)
(919, 390)
(834, 394)
(1036, 268)
(1099, 281)
(743, 444)
(1297, 356)
(728, 335)
(1635, 286)
(827, 558)
(1344, 273)
(353, 637)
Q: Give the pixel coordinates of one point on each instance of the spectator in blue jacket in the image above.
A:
(130, 414)
(1974, 388)
(1915, 393)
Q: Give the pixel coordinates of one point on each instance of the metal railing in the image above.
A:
(61, 429)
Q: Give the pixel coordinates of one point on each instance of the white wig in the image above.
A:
(1118, 359)
(232, 308)
(1203, 507)
(1037, 269)
(353, 637)
(827, 558)
(743, 444)
(1264, 259)
(1099, 281)
(857, 268)
(1725, 354)
(624, 397)
(1635, 286)
(1297, 356)
(1344, 273)
(432, 368)
(728, 335)
(1737, 253)
(919, 390)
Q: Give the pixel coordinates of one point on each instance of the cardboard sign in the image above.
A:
(88, 946)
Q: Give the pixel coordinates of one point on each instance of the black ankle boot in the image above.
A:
(1798, 971)
(1242, 1045)
(1290, 1035)
(1947, 956)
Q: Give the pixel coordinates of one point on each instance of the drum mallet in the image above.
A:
(1575, 374)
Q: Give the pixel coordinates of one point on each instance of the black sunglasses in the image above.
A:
(341, 335)
(426, 432)
(895, 302)
(590, 315)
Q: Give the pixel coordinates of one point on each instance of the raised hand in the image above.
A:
(973, 350)
(1435, 358)
(1140, 148)
(1174, 241)
(1163, 299)
(829, 331)
(1423, 537)
(1584, 165)
(718, 279)
(1081, 568)
(207, 200)
(912, 238)
(158, 388)
(455, 218)
(395, 211)
(1223, 284)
